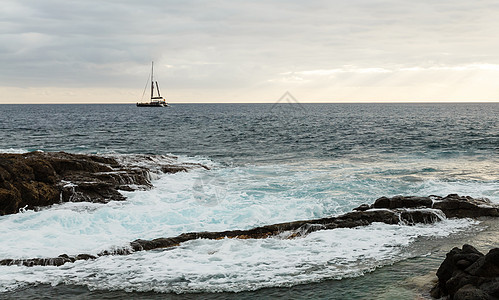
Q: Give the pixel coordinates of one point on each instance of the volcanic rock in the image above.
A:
(282, 230)
(37, 179)
(453, 205)
(461, 267)
(468, 274)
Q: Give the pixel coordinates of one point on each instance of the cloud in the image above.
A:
(224, 47)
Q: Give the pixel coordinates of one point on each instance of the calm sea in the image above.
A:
(269, 163)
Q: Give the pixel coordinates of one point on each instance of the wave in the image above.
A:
(228, 197)
(15, 150)
(236, 265)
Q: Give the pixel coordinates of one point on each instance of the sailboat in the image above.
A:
(155, 101)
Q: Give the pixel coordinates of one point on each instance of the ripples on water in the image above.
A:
(256, 132)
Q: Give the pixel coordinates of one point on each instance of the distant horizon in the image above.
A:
(285, 103)
(234, 52)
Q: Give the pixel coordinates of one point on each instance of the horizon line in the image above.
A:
(270, 102)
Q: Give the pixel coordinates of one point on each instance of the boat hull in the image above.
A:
(152, 104)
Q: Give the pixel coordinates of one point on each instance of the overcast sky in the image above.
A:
(55, 51)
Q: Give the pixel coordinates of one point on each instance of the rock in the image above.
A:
(470, 292)
(362, 207)
(37, 179)
(424, 216)
(461, 266)
(491, 287)
(436, 292)
(402, 202)
(468, 274)
(453, 205)
(281, 230)
(458, 280)
(486, 266)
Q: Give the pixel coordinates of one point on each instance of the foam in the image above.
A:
(237, 197)
(237, 265)
(13, 151)
(202, 200)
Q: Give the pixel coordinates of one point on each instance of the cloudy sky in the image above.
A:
(59, 51)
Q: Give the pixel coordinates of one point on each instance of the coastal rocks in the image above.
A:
(468, 274)
(38, 179)
(416, 212)
(286, 230)
(453, 205)
(402, 201)
(299, 228)
(56, 261)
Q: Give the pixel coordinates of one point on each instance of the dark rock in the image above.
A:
(470, 292)
(362, 207)
(447, 268)
(85, 257)
(453, 205)
(466, 259)
(458, 280)
(457, 270)
(281, 230)
(402, 202)
(491, 287)
(422, 216)
(463, 264)
(57, 261)
(38, 179)
(468, 274)
(486, 266)
(436, 292)
(471, 250)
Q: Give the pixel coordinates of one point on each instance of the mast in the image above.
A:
(152, 80)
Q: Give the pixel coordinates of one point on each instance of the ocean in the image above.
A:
(269, 163)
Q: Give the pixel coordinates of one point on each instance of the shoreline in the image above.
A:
(485, 237)
(411, 278)
(401, 210)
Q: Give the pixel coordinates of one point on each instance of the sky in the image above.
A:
(59, 51)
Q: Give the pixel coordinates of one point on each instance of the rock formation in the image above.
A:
(453, 205)
(37, 179)
(468, 274)
(405, 210)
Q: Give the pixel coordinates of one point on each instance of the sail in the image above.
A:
(154, 101)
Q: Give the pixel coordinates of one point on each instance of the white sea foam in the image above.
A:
(14, 150)
(221, 199)
(236, 265)
(206, 200)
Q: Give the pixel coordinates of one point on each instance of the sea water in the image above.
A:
(268, 164)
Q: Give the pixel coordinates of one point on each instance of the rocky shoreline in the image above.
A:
(39, 179)
(467, 273)
(397, 210)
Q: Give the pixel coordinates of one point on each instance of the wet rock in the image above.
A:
(362, 207)
(486, 266)
(470, 292)
(461, 266)
(281, 230)
(37, 179)
(85, 257)
(453, 205)
(491, 288)
(402, 202)
(468, 274)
